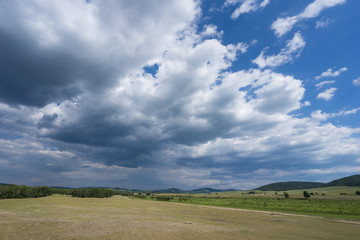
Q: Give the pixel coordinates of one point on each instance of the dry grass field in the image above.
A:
(64, 217)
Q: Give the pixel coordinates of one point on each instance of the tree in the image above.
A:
(286, 195)
(306, 194)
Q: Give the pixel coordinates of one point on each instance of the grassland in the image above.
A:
(336, 202)
(64, 217)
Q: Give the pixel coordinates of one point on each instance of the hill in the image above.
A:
(169, 190)
(353, 180)
(293, 185)
(200, 190)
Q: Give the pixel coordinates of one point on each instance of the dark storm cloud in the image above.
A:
(33, 76)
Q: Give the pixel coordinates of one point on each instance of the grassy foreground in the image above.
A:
(64, 217)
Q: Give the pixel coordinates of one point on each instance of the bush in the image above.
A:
(184, 199)
(357, 192)
(286, 195)
(141, 196)
(306, 194)
(164, 198)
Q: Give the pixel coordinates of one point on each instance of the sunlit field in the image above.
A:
(65, 217)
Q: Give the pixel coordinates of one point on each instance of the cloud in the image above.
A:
(291, 51)
(331, 73)
(321, 116)
(47, 58)
(105, 120)
(211, 31)
(356, 82)
(324, 83)
(327, 94)
(284, 25)
(246, 6)
(323, 23)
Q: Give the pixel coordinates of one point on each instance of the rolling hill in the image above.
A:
(293, 185)
(353, 180)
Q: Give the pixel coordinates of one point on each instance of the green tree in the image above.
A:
(286, 195)
(306, 194)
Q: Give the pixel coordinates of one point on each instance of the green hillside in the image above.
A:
(353, 180)
(293, 185)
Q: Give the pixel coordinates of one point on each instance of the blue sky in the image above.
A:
(187, 94)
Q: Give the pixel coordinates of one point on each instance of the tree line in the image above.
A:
(15, 191)
(92, 192)
(22, 191)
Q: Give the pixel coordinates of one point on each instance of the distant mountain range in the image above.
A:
(200, 190)
(353, 180)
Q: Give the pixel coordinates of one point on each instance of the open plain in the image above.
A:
(65, 217)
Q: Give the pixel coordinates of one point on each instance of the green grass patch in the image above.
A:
(336, 202)
(348, 209)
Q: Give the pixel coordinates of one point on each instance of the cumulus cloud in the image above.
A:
(287, 54)
(246, 6)
(284, 25)
(327, 94)
(41, 48)
(356, 82)
(88, 112)
(331, 73)
(211, 31)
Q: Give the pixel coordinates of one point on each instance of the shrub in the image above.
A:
(306, 194)
(357, 192)
(164, 198)
(286, 195)
(141, 196)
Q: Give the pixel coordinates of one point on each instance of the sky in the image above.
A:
(182, 93)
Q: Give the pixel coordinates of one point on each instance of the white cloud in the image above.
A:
(291, 51)
(321, 116)
(307, 103)
(324, 83)
(246, 6)
(323, 23)
(283, 25)
(327, 94)
(211, 31)
(331, 73)
(356, 82)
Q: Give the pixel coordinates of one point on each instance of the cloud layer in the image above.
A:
(92, 94)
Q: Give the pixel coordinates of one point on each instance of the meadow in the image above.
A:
(119, 217)
(337, 202)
